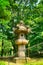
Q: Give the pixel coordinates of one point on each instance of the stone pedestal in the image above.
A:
(22, 60)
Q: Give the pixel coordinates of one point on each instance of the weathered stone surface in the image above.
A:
(21, 30)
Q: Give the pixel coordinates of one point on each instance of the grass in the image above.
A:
(36, 61)
(2, 63)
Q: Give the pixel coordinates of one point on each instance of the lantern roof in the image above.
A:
(21, 28)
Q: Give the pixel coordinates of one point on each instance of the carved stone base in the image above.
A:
(22, 60)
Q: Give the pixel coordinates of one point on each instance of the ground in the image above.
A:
(33, 61)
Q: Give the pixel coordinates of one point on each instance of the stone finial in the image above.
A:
(21, 22)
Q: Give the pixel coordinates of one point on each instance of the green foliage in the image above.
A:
(3, 9)
(12, 11)
(7, 46)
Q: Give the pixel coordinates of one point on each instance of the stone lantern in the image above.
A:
(21, 30)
